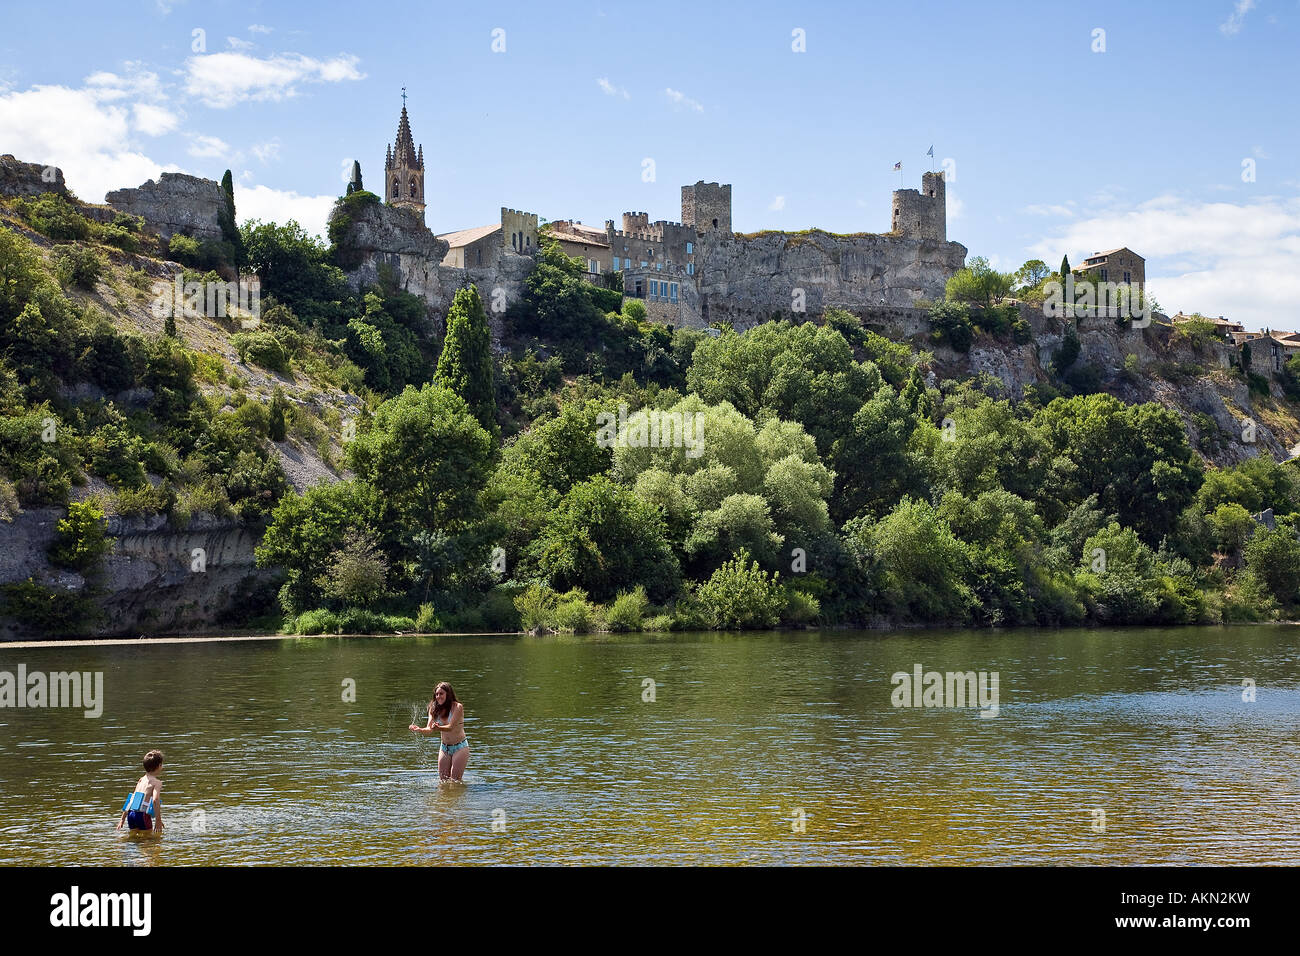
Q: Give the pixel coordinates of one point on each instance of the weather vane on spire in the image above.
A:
(403, 97)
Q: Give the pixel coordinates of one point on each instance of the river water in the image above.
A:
(1130, 746)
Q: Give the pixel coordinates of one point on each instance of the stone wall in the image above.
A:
(29, 179)
(745, 280)
(174, 203)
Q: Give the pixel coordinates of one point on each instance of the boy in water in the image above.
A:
(136, 810)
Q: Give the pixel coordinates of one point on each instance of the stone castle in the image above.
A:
(689, 272)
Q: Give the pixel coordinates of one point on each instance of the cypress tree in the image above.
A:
(1065, 267)
(465, 365)
(226, 220)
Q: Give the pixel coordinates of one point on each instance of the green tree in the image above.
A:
(924, 568)
(1232, 526)
(82, 539)
(427, 456)
(978, 284)
(604, 539)
(305, 530)
(357, 572)
(1065, 267)
(1274, 558)
(465, 365)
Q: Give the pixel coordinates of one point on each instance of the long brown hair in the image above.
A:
(439, 712)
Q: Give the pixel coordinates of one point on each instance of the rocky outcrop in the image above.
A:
(29, 179)
(174, 203)
(156, 580)
(746, 280)
(370, 235)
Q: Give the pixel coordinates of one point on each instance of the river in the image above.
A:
(1122, 746)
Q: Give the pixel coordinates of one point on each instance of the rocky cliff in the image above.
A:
(29, 179)
(174, 203)
(156, 579)
(371, 235)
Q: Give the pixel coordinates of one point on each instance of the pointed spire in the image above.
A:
(404, 148)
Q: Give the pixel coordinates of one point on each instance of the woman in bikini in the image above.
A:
(447, 717)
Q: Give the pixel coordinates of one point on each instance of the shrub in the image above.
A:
(355, 573)
(573, 612)
(658, 623)
(57, 218)
(536, 607)
(78, 266)
(426, 622)
(628, 610)
(800, 609)
(82, 539)
(635, 310)
(950, 322)
(319, 621)
(741, 595)
(261, 348)
(499, 612)
(45, 611)
(183, 249)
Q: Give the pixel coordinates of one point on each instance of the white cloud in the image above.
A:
(237, 44)
(276, 205)
(953, 206)
(221, 80)
(610, 89)
(1241, 260)
(1233, 24)
(268, 151)
(777, 204)
(153, 120)
(259, 28)
(93, 141)
(207, 147)
(680, 99)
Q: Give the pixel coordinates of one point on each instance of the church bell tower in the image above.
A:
(404, 168)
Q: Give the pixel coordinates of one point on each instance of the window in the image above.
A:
(654, 289)
(673, 292)
(414, 195)
(528, 241)
(1103, 275)
(643, 263)
(627, 263)
(397, 189)
(715, 224)
(592, 266)
(1128, 277)
(659, 266)
(690, 248)
(690, 268)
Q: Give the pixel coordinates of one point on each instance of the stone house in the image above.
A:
(1115, 265)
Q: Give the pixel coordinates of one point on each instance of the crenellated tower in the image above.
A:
(404, 169)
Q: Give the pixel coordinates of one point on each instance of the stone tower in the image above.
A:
(707, 207)
(924, 214)
(404, 169)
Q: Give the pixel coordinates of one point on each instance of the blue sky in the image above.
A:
(1055, 145)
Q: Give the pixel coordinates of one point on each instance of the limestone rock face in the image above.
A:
(149, 580)
(376, 234)
(29, 179)
(746, 280)
(174, 203)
